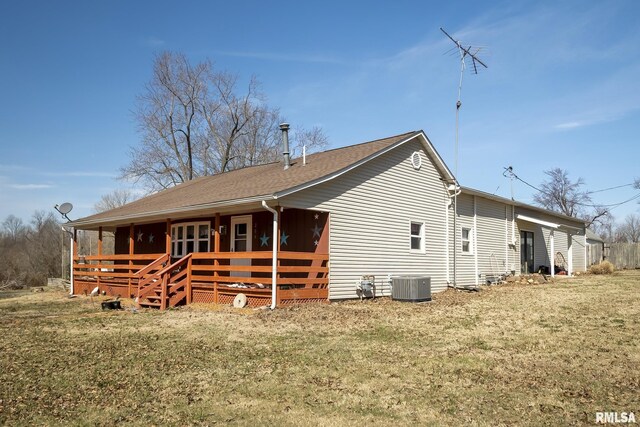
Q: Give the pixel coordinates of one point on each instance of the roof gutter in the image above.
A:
(168, 212)
(274, 265)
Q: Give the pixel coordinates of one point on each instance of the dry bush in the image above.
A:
(605, 267)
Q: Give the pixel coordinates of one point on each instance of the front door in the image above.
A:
(241, 239)
(526, 251)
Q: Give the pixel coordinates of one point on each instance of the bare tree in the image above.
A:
(560, 194)
(29, 253)
(605, 227)
(13, 228)
(115, 199)
(313, 139)
(197, 121)
(630, 228)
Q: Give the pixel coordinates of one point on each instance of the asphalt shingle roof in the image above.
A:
(263, 180)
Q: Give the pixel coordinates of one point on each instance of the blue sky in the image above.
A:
(562, 88)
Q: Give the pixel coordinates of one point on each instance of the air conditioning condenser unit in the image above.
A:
(411, 288)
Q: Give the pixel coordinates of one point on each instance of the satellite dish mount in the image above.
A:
(64, 209)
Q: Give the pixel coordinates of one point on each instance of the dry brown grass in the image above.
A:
(549, 354)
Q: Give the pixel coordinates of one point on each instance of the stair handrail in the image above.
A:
(173, 266)
(146, 269)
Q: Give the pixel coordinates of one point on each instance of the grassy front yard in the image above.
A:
(538, 354)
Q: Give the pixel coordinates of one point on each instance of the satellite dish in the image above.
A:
(65, 208)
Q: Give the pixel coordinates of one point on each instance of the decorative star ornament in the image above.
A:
(140, 234)
(264, 240)
(151, 237)
(315, 242)
(283, 238)
(316, 216)
(316, 231)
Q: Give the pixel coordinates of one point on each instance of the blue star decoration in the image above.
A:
(264, 240)
(283, 238)
(140, 234)
(316, 230)
(151, 237)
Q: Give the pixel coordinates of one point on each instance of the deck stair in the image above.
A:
(162, 286)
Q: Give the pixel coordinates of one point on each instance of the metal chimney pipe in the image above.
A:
(284, 127)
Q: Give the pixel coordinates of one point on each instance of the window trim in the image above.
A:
(196, 237)
(470, 240)
(421, 235)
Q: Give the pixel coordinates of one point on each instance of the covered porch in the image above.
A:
(213, 259)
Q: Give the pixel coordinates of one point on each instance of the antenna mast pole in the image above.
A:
(464, 52)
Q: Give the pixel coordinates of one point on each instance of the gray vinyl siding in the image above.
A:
(371, 208)
(493, 233)
(579, 255)
(494, 230)
(542, 241)
(465, 262)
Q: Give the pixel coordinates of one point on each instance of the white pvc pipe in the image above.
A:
(274, 267)
(71, 263)
(475, 241)
(553, 253)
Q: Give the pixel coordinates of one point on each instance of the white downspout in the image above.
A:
(506, 238)
(446, 236)
(274, 266)
(570, 253)
(553, 253)
(475, 240)
(584, 239)
(513, 239)
(71, 263)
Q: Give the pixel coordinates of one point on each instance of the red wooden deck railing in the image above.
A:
(211, 277)
(113, 274)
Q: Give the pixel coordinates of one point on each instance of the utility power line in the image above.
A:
(508, 172)
(610, 188)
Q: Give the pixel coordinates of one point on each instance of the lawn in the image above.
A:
(513, 354)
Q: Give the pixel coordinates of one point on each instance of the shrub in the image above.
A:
(605, 267)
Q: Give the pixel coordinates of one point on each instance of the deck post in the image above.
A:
(189, 289)
(163, 293)
(167, 246)
(216, 250)
(99, 257)
(279, 227)
(131, 251)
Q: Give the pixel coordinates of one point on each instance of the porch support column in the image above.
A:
(570, 254)
(167, 245)
(553, 251)
(73, 254)
(274, 257)
(216, 262)
(131, 242)
(99, 257)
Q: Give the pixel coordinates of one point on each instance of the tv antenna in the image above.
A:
(509, 173)
(64, 209)
(466, 54)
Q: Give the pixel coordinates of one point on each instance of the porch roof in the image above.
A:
(248, 186)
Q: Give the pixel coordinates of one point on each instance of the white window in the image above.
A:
(417, 236)
(466, 239)
(189, 237)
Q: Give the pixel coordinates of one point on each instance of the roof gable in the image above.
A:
(258, 182)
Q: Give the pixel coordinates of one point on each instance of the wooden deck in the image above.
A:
(207, 277)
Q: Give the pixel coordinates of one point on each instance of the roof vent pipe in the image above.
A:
(284, 127)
